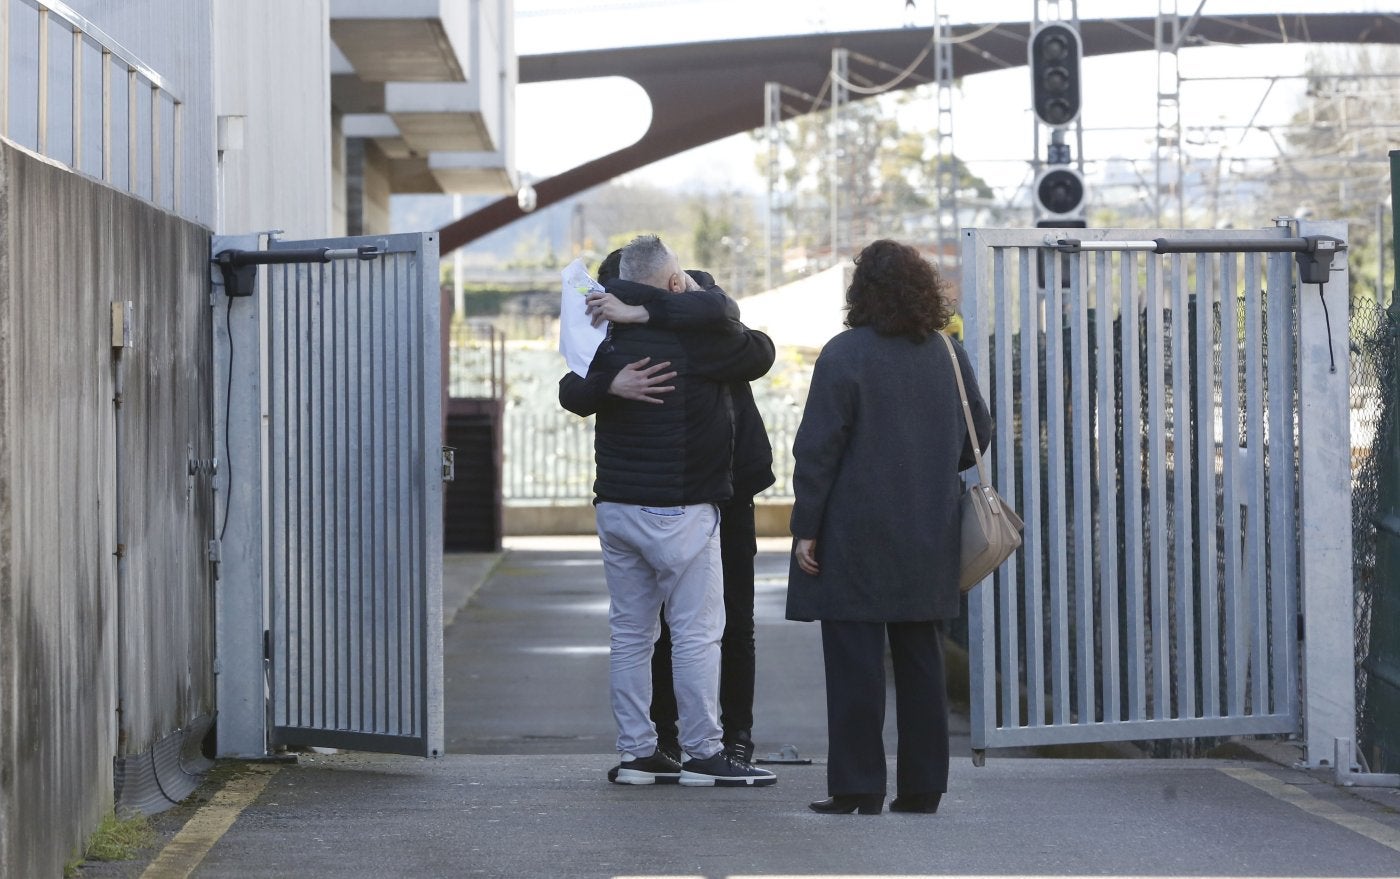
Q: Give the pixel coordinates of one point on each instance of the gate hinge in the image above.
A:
(121, 551)
(215, 551)
(449, 463)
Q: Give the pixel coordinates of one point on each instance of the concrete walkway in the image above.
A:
(523, 794)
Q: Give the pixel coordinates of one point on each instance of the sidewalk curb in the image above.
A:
(463, 575)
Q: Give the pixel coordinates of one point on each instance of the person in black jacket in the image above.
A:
(706, 309)
(876, 528)
(662, 472)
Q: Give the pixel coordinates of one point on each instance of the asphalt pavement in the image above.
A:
(523, 793)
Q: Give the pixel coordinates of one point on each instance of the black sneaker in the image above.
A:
(670, 747)
(722, 770)
(656, 769)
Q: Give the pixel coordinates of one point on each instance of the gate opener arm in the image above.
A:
(240, 267)
(1312, 253)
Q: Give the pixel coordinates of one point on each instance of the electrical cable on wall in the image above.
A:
(1327, 319)
(228, 393)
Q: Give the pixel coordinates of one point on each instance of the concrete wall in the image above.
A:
(339, 197)
(74, 633)
(165, 512)
(272, 63)
(375, 190)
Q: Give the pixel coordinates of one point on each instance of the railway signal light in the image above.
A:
(1054, 63)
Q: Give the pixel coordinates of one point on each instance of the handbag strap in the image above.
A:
(967, 410)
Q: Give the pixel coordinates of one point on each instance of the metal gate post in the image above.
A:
(239, 603)
(980, 602)
(1324, 521)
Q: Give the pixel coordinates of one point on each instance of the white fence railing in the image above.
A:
(121, 121)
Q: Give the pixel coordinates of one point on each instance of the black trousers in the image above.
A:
(738, 544)
(854, 654)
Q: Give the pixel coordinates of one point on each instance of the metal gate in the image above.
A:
(350, 534)
(1146, 404)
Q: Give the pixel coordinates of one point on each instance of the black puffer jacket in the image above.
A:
(679, 452)
(712, 310)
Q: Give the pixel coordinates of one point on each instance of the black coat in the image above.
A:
(877, 458)
(710, 310)
(679, 452)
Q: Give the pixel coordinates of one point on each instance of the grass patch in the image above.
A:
(119, 839)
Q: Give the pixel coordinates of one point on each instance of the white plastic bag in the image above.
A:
(578, 338)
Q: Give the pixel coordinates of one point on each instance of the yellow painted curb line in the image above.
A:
(1296, 796)
(182, 854)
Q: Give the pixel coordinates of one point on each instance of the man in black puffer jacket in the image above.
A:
(662, 471)
(708, 308)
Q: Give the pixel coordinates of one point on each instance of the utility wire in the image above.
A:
(913, 65)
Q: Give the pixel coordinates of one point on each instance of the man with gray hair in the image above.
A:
(662, 471)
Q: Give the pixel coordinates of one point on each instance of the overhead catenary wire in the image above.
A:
(908, 71)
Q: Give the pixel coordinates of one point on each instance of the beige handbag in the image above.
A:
(991, 530)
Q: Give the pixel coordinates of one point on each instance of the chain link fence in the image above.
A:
(1375, 383)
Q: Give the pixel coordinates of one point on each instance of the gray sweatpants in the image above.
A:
(655, 556)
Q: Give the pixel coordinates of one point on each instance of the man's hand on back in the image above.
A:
(607, 307)
(637, 381)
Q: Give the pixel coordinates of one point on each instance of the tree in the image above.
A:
(886, 168)
(726, 240)
(611, 215)
(1333, 159)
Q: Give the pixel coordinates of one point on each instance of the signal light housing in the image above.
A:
(1055, 51)
(1059, 192)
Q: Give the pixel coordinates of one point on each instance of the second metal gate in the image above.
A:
(1147, 432)
(340, 358)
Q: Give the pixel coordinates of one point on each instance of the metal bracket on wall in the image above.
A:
(240, 267)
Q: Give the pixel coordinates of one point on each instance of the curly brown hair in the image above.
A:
(896, 292)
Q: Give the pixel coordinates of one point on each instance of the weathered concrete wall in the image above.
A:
(165, 512)
(74, 635)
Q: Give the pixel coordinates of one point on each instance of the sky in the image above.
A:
(1119, 91)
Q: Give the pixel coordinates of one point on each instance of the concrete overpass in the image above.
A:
(703, 92)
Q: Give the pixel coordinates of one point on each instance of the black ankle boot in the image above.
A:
(845, 804)
(926, 803)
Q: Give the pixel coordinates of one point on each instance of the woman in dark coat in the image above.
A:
(876, 526)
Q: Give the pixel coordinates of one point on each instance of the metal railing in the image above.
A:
(477, 360)
(549, 455)
(154, 152)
